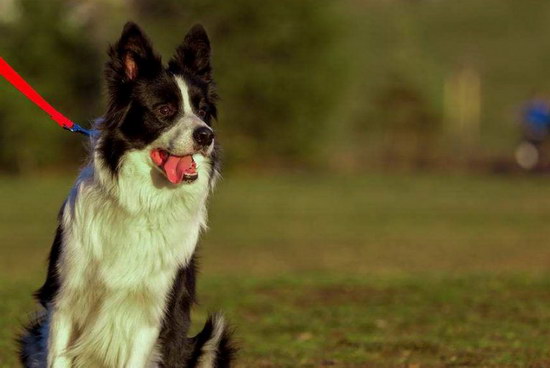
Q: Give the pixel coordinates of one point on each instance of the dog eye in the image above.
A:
(202, 113)
(166, 110)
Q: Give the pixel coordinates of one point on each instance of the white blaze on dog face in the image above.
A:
(175, 150)
(166, 111)
(178, 140)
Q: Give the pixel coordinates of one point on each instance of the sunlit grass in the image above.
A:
(378, 271)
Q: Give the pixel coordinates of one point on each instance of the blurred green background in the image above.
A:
(370, 215)
(347, 85)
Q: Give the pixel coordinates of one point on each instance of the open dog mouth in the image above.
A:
(176, 168)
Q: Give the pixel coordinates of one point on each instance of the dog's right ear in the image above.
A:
(132, 57)
(193, 55)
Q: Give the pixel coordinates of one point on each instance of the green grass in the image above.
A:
(373, 271)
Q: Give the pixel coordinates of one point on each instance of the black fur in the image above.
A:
(175, 343)
(32, 349)
(137, 84)
(48, 291)
(178, 350)
(225, 353)
(193, 55)
(192, 61)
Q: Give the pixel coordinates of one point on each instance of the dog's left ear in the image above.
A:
(132, 56)
(193, 55)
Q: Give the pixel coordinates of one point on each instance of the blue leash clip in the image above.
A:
(78, 129)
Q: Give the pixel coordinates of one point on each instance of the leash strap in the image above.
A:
(18, 82)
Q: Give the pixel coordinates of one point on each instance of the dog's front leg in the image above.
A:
(142, 347)
(58, 339)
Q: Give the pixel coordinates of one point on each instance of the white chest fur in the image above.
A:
(123, 242)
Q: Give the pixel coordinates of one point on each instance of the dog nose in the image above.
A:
(203, 136)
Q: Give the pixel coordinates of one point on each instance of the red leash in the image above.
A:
(15, 79)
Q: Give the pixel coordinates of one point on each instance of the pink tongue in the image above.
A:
(176, 166)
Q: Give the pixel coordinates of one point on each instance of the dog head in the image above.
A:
(164, 113)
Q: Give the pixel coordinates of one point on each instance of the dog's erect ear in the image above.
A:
(193, 55)
(132, 56)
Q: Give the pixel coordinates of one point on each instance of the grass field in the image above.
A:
(373, 271)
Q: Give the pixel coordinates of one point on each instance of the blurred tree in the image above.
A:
(411, 127)
(55, 56)
(302, 82)
(279, 67)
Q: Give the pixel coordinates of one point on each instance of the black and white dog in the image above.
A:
(121, 277)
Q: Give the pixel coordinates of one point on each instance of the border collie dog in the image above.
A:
(121, 275)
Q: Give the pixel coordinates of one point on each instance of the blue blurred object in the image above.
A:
(536, 119)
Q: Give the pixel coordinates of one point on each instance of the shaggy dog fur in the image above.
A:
(121, 275)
